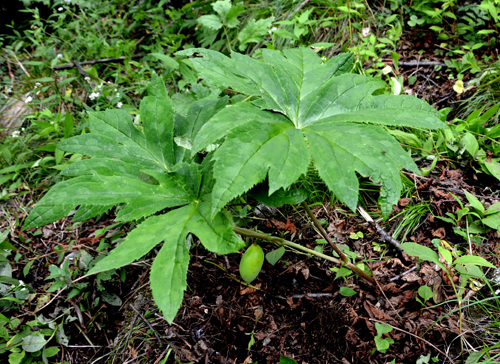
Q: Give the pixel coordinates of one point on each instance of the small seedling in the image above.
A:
(426, 293)
(382, 344)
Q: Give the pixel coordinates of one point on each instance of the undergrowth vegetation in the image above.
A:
(189, 124)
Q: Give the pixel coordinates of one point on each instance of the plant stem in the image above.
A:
(280, 241)
(324, 233)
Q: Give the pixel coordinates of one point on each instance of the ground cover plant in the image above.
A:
(153, 169)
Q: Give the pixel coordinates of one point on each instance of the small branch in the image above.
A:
(304, 3)
(102, 60)
(21, 65)
(384, 237)
(147, 323)
(324, 233)
(312, 295)
(280, 241)
(403, 274)
(81, 71)
(421, 63)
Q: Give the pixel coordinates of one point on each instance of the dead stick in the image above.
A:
(403, 274)
(422, 63)
(103, 60)
(384, 237)
(304, 3)
(324, 233)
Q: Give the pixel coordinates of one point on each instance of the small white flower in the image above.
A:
(38, 84)
(94, 95)
(274, 28)
(116, 89)
(37, 92)
(9, 90)
(67, 1)
(60, 8)
(119, 105)
(21, 283)
(87, 79)
(365, 32)
(22, 129)
(28, 100)
(118, 95)
(23, 289)
(59, 55)
(12, 286)
(15, 134)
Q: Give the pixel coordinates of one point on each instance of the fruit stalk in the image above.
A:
(280, 241)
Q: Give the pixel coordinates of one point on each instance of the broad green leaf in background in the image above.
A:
(303, 109)
(422, 252)
(146, 171)
(473, 259)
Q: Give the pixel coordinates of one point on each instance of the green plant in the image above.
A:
(24, 342)
(225, 18)
(149, 171)
(426, 293)
(382, 344)
(466, 265)
(475, 217)
(145, 170)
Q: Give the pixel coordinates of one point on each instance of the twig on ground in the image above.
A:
(102, 60)
(128, 334)
(304, 3)
(162, 355)
(384, 237)
(312, 295)
(147, 323)
(403, 274)
(21, 65)
(421, 63)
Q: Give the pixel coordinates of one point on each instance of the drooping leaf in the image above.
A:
(304, 108)
(475, 260)
(168, 227)
(422, 252)
(168, 276)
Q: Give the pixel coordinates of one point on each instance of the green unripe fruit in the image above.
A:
(251, 263)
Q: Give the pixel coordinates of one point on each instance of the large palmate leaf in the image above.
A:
(303, 109)
(146, 172)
